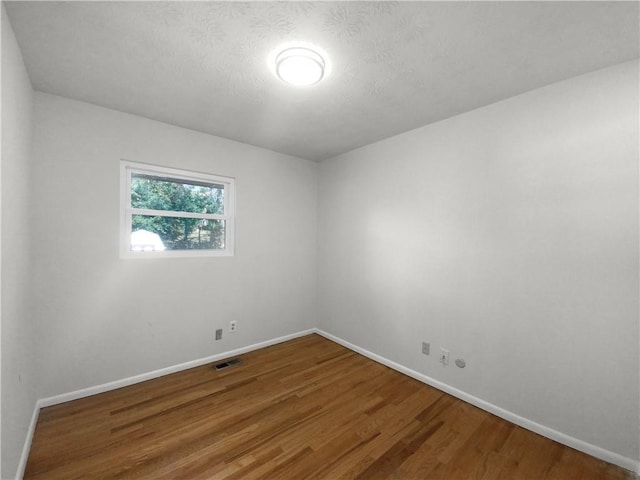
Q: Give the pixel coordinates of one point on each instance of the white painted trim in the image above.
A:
(105, 387)
(125, 382)
(22, 464)
(128, 168)
(559, 437)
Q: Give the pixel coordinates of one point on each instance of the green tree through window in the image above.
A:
(166, 194)
(168, 212)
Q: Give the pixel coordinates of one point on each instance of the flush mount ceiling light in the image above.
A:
(300, 66)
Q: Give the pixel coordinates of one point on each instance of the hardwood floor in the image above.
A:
(307, 408)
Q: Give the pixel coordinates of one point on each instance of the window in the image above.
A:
(175, 213)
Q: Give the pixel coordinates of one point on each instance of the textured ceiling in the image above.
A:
(395, 66)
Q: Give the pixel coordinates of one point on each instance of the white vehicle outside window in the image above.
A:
(168, 212)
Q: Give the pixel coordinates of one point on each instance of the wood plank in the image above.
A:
(307, 408)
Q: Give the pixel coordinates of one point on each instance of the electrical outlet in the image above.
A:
(218, 334)
(425, 348)
(233, 326)
(444, 357)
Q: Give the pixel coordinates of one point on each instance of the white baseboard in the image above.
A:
(105, 387)
(559, 437)
(86, 392)
(27, 441)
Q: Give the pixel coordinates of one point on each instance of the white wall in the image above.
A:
(508, 235)
(18, 373)
(100, 318)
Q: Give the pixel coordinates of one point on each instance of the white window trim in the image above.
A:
(128, 168)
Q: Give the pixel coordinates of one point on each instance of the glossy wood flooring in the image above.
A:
(307, 408)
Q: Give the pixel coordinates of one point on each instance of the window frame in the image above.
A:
(128, 169)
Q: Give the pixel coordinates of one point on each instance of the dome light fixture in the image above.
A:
(300, 66)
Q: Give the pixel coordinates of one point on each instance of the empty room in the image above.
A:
(320, 240)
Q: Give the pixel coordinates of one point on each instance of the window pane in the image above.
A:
(158, 193)
(153, 233)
